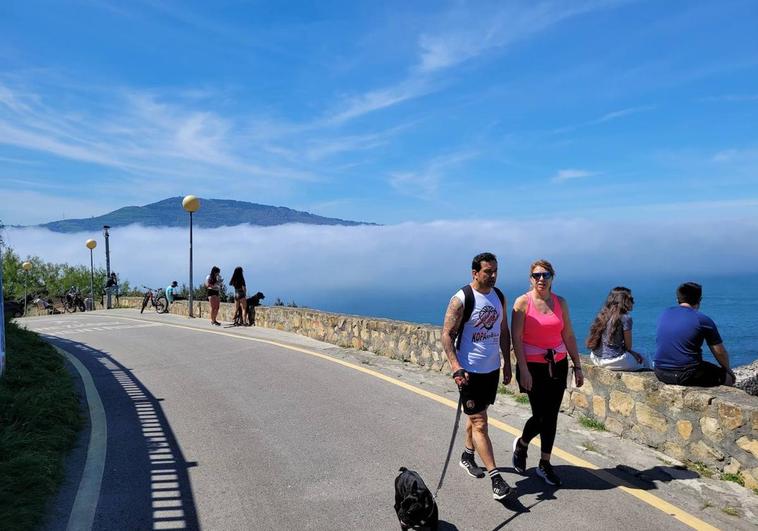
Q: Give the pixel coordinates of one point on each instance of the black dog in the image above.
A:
(252, 302)
(414, 503)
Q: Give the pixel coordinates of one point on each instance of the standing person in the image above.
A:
(213, 284)
(543, 338)
(240, 295)
(679, 343)
(610, 338)
(474, 335)
(111, 286)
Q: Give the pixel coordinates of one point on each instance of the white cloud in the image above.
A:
(425, 183)
(303, 262)
(571, 174)
(471, 29)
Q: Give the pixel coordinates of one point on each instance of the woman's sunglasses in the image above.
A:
(547, 275)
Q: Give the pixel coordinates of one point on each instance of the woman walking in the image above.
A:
(213, 284)
(240, 296)
(610, 339)
(542, 341)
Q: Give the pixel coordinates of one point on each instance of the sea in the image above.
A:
(729, 300)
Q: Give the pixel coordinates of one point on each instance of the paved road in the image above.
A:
(219, 429)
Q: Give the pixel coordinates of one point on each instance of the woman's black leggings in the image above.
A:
(545, 398)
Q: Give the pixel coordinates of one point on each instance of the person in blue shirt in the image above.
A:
(679, 340)
(170, 291)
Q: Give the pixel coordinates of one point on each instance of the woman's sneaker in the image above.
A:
(468, 464)
(546, 472)
(501, 489)
(519, 456)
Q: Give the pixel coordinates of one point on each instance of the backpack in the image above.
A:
(468, 309)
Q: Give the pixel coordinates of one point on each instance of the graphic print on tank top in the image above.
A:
(483, 322)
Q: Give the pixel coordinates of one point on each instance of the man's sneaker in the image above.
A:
(519, 457)
(469, 465)
(501, 489)
(546, 472)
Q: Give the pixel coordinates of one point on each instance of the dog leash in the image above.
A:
(450, 448)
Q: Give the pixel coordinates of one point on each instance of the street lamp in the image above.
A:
(107, 264)
(27, 266)
(191, 204)
(91, 244)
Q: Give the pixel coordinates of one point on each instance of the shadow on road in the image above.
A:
(577, 478)
(145, 483)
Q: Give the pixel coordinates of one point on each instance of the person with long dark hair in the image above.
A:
(610, 338)
(543, 340)
(240, 295)
(213, 285)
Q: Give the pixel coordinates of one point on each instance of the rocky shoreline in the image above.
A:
(747, 378)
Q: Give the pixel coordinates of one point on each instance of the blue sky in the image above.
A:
(382, 111)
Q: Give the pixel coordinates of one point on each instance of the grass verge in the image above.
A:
(591, 423)
(736, 478)
(39, 421)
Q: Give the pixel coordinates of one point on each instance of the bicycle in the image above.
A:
(155, 297)
(72, 300)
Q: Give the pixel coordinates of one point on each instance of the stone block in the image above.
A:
(621, 403)
(579, 400)
(598, 406)
(755, 420)
(614, 426)
(356, 343)
(605, 377)
(751, 478)
(711, 429)
(749, 445)
(634, 382)
(702, 452)
(650, 418)
(674, 450)
(669, 396)
(733, 467)
(698, 400)
(730, 416)
(684, 429)
(586, 387)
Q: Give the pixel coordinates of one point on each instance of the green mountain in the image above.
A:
(212, 213)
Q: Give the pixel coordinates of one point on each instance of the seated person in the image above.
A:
(610, 337)
(170, 291)
(679, 341)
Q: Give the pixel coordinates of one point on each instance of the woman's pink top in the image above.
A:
(542, 331)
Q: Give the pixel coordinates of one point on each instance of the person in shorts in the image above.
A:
(474, 346)
(240, 296)
(679, 341)
(213, 285)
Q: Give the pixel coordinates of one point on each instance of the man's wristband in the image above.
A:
(577, 368)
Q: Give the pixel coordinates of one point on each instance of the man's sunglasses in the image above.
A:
(547, 275)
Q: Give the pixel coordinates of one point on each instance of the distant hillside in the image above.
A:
(212, 213)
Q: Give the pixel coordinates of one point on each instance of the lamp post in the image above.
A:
(191, 204)
(27, 266)
(106, 235)
(91, 244)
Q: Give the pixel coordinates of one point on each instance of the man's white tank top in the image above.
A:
(480, 338)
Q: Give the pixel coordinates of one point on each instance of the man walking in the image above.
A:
(474, 335)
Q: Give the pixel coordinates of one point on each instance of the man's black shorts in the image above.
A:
(480, 391)
(704, 374)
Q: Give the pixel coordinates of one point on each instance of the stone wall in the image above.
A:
(717, 427)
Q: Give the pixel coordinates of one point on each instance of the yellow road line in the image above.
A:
(640, 494)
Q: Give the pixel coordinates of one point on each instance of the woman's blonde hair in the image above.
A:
(543, 263)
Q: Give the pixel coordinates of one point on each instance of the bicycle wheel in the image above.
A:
(144, 303)
(161, 304)
(64, 303)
